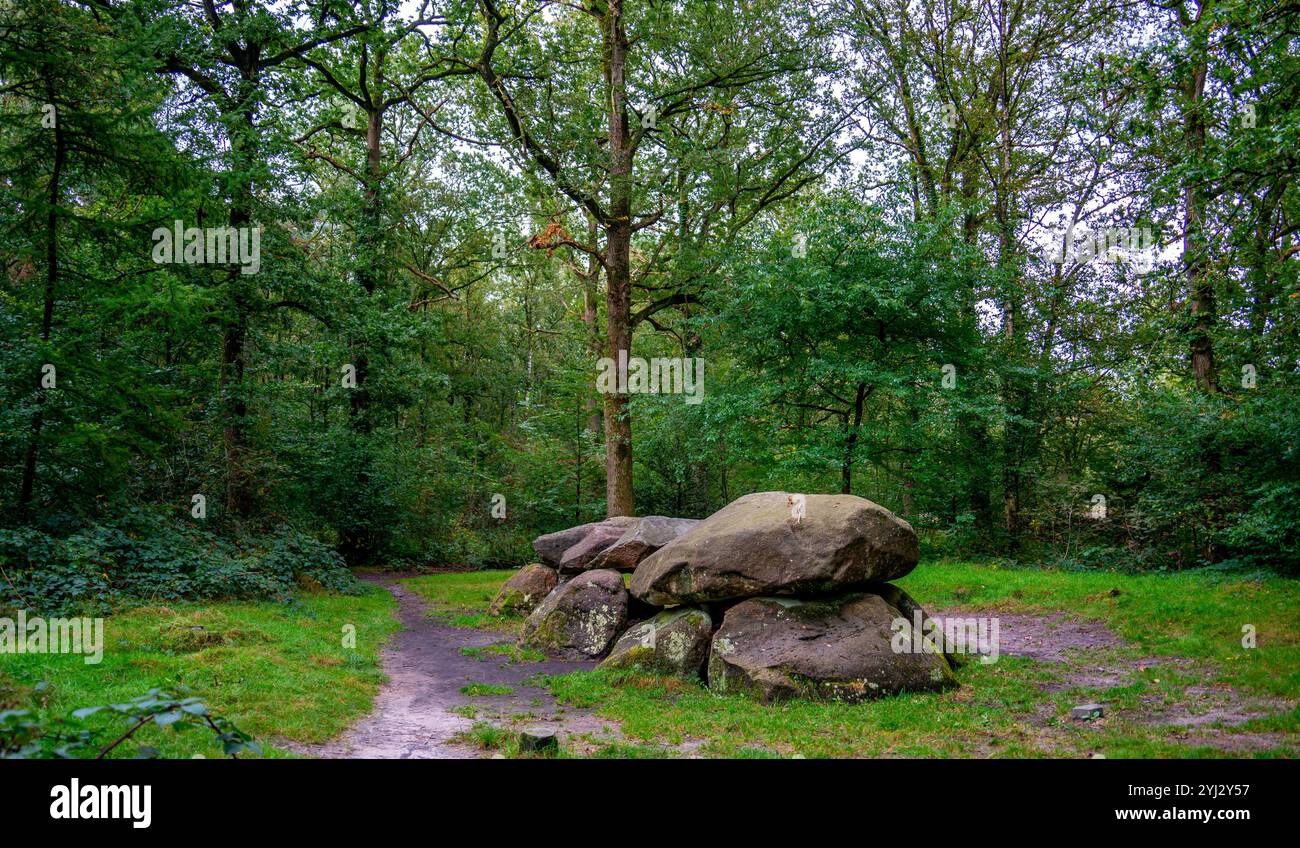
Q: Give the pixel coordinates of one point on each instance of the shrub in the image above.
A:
(142, 557)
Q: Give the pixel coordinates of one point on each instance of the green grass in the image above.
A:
(278, 671)
(623, 751)
(479, 690)
(670, 712)
(509, 652)
(489, 737)
(461, 599)
(1183, 633)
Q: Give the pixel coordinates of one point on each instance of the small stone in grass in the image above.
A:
(537, 740)
(1087, 712)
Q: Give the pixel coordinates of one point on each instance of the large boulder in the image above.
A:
(912, 611)
(640, 540)
(551, 547)
(581, 618)
(755, 546)
(675, 641)
(581, 555)
(833, 649)
(524, 590)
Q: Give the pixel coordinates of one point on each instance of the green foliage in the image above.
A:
(23, 735)
(1215, 480)
(143, 557)
(465, 290)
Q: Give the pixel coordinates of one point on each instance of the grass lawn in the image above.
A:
(1177, 681)
(278, 671)
(461, 598)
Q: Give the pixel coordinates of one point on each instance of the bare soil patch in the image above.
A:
(1092, 659)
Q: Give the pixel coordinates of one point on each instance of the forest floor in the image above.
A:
(414, 667)
(1163, 653)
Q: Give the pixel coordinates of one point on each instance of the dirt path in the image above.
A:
(413, 717)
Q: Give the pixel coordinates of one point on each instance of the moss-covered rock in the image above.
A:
(581, 618)
(527, 588)
(675, 641)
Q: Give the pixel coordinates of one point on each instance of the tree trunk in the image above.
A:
(369, 263)
(1015, 391)
(618, 267)
(239, 496)
(909, 459)
(591, 318)
(851, 441)
(47, 312)
(1195, 256)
